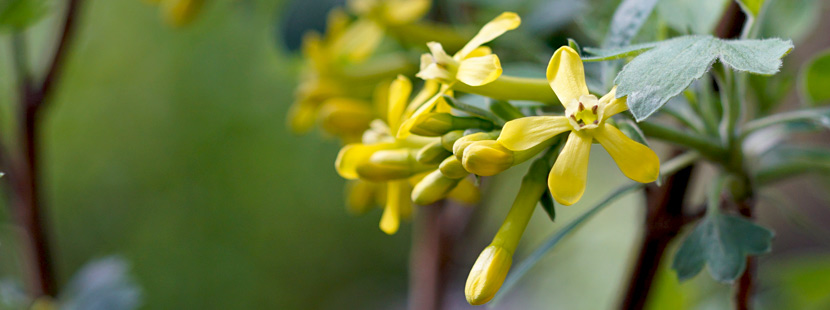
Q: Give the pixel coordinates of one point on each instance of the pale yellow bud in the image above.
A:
(385, 165)
(432, 153)
(433, 125)
(449, 139)
(465, 141)
(488, 274)
(435, 186)
(341, 116)
(452, 168)
(487, 157)
(181, 12)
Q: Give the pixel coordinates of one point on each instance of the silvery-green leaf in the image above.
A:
(722, 242)
(661, 73)
(627, 20)
(103, 284)
(793, 19)
(692, 16)
(602, 54)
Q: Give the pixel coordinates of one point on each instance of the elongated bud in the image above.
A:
(452, 168)
(489, 271)
(488, 274)
(465, 141)
(432, 153)
(180, 12)
(340, 116)
(438, 124)
(435, 186)
(505, 110)
(361, 196)
(449, 139)
(385, 165)
(487, 157)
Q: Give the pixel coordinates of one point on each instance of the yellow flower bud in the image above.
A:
(180, 12)
(433, 125)
(432, 153)
(438, 124)
(452, 168)
(487, 157)
(465, 141)
(449, 139)
(361, 196)
(385, 165)
(435, 186)
(343, 116)
(488, 274)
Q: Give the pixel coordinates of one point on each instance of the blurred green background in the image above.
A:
(168, 146)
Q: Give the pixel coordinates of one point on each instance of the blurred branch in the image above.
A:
(664, 220)
(24, 171)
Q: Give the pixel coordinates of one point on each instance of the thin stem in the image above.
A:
(782, 118)
(745, 286)
(513, 88)
(706, 147)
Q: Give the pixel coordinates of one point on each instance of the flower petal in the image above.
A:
(566, 76)
(636, 161)
(396, 196)
(570, 172)
(478, 71)
(352, 155)
(526, 132)
(302, 115)
(400, 12)
(420, 114)
(496, 27)
(437, 52)
(480, 51)
(359, 41)
(434, 71)
(465, 192)
(613, 105)
(399, 92)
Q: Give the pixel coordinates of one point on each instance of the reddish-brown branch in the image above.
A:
(664, 220)
(24, 171)
(745, 286)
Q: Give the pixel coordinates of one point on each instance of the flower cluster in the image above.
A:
(402, 150)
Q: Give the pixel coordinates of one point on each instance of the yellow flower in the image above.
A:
(384, 158)
(585, 118)
(391, 12)
(179, 12)
(473, 65)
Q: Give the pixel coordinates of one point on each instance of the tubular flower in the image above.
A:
(473, 65)
(373, 16)
(382, 158)
(585, 119)
(178, 13)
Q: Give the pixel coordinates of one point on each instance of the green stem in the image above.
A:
(774, 119)
(419, 33)
(513, 88)
(708, 148)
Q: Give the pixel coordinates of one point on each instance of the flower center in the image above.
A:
(585, 112)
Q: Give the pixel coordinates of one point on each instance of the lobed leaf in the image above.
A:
(661, 73)
(722, 242)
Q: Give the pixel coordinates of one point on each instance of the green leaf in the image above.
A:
(602, 54)
(19, 14)
(627, 20)
(785, 162)
(661, 73)
(692, 16)
(103, 284)
(815, 78)
(547, 204)
(793, 19)
(799, 120)
(751, 7)
(722, 241)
